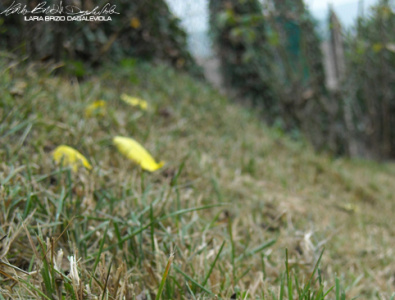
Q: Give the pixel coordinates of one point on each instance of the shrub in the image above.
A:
(143, 28)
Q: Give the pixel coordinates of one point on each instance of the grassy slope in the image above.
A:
(264, 185)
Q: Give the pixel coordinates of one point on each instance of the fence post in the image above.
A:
(336, 48)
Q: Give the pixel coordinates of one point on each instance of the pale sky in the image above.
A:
(323, 4)
(346, 10)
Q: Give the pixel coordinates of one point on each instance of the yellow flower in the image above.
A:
(70, 157)
(134, 151)
(377, 47)
(135, 23)
(134, 101)
(96, 108)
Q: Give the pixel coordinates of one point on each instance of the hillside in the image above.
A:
(231, 197)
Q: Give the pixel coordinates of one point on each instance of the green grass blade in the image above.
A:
(256, 250)
(289, 280)
(30, 286)
(337, 283)
(164, 276)
(152, 233)
(282, 288)
(327, 293)
(99, 252)
(232, 250)
(307, 287)
(213, 264)
(193, 281)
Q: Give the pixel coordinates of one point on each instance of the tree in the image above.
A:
(144, 28)
(239, 39)
(369, 88)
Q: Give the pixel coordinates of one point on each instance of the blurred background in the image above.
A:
(317, 70)
(194, 18)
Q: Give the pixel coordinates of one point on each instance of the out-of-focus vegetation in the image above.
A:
(284, 74)
(368, 89)
(272, 55)
(143, 28)
(239, 32)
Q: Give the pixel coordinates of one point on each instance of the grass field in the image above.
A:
(215, 222)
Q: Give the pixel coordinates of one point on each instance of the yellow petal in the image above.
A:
(377, 47)
(134, 101)
(135, 23)
(96, 107)
(70, 157)
(134, 151)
